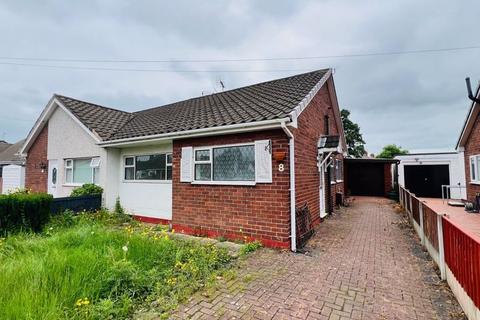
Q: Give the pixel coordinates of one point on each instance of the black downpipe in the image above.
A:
(470, 93)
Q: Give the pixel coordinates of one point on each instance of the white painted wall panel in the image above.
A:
(13, 177)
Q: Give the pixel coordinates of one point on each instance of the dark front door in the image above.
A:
(365, 179)
(426, 180)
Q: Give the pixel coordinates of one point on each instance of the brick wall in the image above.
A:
(35, 179)
(387, 178)
(257, 212)
(472, 147)
(311, 126)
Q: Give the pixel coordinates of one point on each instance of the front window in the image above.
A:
(338, 170)
(148, 167)
(80, 171)
(229, 163)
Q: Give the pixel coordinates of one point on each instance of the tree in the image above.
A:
(355, 142)
(390, 151)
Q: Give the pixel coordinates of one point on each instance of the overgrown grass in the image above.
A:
(92, 267)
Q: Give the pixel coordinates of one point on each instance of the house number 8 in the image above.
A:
(281, 167)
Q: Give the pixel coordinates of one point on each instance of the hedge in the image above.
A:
(22, 211)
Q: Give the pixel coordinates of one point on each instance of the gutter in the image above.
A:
(293, 222)
(234, 128)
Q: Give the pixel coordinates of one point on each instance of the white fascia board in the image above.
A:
(308, 98)
(234, 128)
(43, 119)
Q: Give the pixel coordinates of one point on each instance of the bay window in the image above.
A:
(148, 167)
(226, 163)
(80, 171)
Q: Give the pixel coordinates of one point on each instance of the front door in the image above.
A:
(52, 177)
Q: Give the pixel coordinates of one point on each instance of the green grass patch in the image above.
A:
(94, 267)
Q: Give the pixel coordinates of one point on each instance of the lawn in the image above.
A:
(96, 266)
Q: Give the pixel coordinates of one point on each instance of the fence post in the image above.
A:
(420, 212)
(411, 205)
(400, 195)
(441, 250)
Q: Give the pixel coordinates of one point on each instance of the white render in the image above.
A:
(13, 177)
(67, 140)
(454, 160)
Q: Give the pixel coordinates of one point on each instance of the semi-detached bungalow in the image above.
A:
(215, 165)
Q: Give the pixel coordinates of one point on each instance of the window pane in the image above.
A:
(202, 155)
(69, 175)
(129, 173)
(169, 173)
(169, 158)
(129, 161)
(203, 171)
(95, 175)
(472, 168)
(234, 163)
(82, 173)
(150, 167)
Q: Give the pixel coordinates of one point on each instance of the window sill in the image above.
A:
(148, 181)
(339, 181)
(226, 183)
(475, 182)
(333, 182)
(72, 184)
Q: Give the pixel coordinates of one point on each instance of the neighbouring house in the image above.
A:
(12, 166)
(469, 145)
(215, 165)
(424, 173)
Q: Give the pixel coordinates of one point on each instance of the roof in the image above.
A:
(329, 141)
(103, 121)
(10, 155)
(468, 125)
(371, 160)
(4, 145)
(264, 101)
(260, 105)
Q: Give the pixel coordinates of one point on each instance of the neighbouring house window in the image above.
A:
(229, 163)
(80, 171)
(474, 168)
(148, 167)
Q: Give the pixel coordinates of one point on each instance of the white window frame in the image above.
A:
(218, 182)
(94, 166)
(134, 166)
(474, 170)
(338, 163)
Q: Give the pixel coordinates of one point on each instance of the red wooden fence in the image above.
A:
(430, 225)
(415, 210)
(462, 255)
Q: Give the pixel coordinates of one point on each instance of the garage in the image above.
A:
(369, 177)
(426, 181)
(424, 174)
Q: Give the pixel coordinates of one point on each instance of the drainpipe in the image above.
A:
(293, 224)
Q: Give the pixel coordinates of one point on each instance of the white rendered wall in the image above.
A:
(13, 177)
(144, 198)
(454, 160)
(66, 140)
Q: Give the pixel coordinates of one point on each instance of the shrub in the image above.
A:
(118, 207)
(24, 211)
(87, 189)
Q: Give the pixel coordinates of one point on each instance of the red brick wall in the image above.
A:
(35, 179)
(311, 126)
(472, 147)
(257, 212)
(387, 177)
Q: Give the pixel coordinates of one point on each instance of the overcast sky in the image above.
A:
(417, 101)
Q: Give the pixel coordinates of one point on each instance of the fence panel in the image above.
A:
(76, 204)
(430, 227)
(462, 256)
(415, 210)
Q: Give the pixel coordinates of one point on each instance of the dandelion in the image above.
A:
(82, 302)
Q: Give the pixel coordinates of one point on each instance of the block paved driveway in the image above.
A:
(363, 263)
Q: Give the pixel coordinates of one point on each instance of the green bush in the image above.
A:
(87, 189)
(24, 211)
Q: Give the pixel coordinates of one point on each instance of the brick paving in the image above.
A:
(363, 263)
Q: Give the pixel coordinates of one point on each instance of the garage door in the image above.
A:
(365, 179)
(426, 180)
